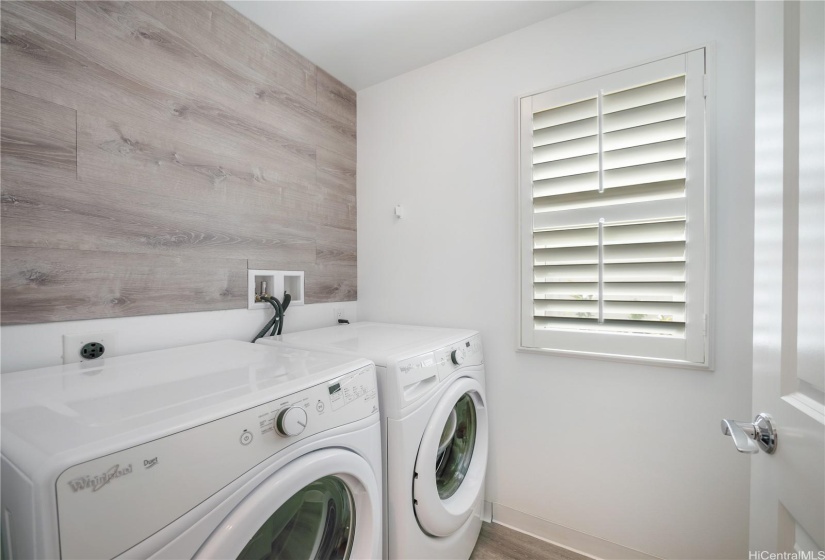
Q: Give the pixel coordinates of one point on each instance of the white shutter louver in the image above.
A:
(609, 215)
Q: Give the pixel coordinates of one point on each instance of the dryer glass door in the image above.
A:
(317, 522)
(336, 514)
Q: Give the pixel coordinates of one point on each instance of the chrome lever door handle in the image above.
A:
(741, 439)
(749, 438)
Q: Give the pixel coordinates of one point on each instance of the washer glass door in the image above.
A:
(452, 459)
(317, 522)
(455, 447)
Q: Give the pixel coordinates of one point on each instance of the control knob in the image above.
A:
(457, 356)
(291, 421)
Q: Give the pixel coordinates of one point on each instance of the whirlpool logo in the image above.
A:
(96, 482)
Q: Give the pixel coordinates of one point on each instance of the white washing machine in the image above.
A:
(435, 433)
(219, 450)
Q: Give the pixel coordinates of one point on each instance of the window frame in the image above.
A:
(695, 351)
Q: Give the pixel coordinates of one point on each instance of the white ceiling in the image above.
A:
(363, 43)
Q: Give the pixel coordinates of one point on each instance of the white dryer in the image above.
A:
(435, 433)
(219, 450)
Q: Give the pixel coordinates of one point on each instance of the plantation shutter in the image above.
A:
(613, 196)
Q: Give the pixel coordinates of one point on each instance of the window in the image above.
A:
(613, 204)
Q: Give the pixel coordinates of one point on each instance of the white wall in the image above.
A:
(41, 345)
(629, 453)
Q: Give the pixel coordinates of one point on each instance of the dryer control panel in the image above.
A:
(108, 505)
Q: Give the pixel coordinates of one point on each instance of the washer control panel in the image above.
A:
(152, 484)
(416, 369)
(415, 376)
(468, 352)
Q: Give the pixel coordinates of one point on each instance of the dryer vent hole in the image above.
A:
(92, 350)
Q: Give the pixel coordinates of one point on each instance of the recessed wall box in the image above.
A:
(275, 283)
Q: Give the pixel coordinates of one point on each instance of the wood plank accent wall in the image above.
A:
(152, 152)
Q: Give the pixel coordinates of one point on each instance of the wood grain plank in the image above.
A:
(49, 66)
(141, 48)
(335, 253)
(42, 285)
(187, 59)
(336, 171)
(323, 283)
(497, 542)
(38, 211)
(335, 245)
(58, 17)
(73, 74)
(216, 30)
(329, 283)
(137, 153)
(320, 129)
(335, 99)
(197, 174)
(337, 115)
(37, 135)
(145, 144)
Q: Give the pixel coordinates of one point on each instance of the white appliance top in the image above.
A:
(380, 342)
(91, 408)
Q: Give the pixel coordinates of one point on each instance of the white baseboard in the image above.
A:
(565, 537)
(487, 513)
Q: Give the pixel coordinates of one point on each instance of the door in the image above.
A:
(323, 506)
(788, 487)
(452, 459)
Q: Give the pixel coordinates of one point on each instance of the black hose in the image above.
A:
(276, 320)
(287, 299)
(263, 331)
(279, 316)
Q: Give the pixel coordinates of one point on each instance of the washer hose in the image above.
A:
(277, 321)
